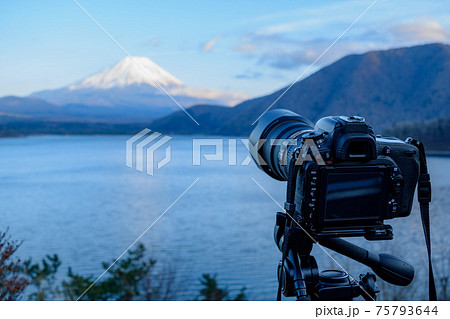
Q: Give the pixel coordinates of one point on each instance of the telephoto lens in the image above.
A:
(277, 135)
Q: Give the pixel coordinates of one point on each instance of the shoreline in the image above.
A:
(430, 153)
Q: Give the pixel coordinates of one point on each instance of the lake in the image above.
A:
(74, 196)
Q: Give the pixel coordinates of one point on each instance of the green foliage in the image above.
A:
(130, 278)
(212, 292)
(123, 281)
(42, 277)
(12, 281)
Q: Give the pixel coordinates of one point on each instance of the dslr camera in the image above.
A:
(348, 181)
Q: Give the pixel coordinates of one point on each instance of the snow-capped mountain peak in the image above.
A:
(129, 71)
(130, 82)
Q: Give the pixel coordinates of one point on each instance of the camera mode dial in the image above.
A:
(353, 119)
(317, 137)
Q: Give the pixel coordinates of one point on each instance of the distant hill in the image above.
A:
(17, 108)
(40, 127)
(385, 87)
(31, 116)
(13, 108)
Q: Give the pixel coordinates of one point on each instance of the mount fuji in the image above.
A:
(136, 83)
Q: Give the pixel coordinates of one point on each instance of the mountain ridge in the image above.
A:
(385, 87)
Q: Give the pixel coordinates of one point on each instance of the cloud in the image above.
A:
(421, 30)
(246, 47)
(248, 75)
(211, 43)
(289, 27)
(286, 60)
(224, 97)
(255, 41)
(279, 48)
(282, 52)
(309, 52)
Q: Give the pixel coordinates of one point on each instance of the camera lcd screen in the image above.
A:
(353, 196)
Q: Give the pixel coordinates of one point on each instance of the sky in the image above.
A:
(253, 47)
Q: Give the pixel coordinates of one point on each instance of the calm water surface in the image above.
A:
(75, 197)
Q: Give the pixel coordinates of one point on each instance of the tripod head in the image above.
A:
(389, 268)
(299, 275)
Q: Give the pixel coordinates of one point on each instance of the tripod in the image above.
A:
(299, 276)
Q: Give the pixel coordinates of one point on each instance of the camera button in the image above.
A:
(409, 153)
(397, 183)
(393, 207)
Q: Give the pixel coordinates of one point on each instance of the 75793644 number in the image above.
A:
(406, 310)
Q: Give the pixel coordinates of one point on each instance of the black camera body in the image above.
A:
(348, 180)
(342, 181)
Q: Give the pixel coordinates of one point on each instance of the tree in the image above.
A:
(124, 281)
(43, 278)
(212, 292)
(12, 281)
